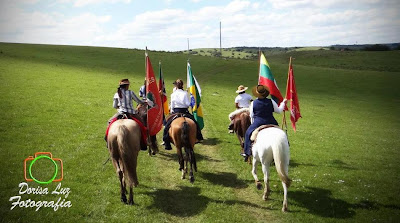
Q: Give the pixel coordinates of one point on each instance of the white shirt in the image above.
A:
(179, 99)
(243, 100)
(276, 108)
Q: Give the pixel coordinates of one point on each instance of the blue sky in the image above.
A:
(167, 24)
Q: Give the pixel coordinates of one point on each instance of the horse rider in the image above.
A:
(261, 111)
(242, 100)
(180, 103)
(122, 101)
(142, 90)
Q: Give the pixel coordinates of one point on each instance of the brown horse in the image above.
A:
(241, 122)
(151, 140)
(183, 134)
(124, 144)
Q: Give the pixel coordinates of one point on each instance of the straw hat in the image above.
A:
(124, 82)
(241, 88)
(260, 91)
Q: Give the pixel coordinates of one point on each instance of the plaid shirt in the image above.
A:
(124, 104)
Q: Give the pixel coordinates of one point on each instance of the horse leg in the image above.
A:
(130, 202)
(191, 160)
(285, 205)
(153, 148)
(122, 182)
(181, 161)
(267, 189)
(254, 172)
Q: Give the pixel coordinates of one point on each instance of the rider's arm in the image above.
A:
(116, 101)
(281, 106)
(186, 99)
(251, 113)
(135, 98)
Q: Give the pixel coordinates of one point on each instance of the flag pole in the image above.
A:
(259, 64)
(287, 85)
(145, 62)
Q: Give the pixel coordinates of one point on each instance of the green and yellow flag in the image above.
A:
(195, 97)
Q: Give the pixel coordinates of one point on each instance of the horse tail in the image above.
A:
(185, 135)
(186, 144)
(127, 154)
(281, 152)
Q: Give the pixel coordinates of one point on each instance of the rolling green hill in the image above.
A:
(344, 156)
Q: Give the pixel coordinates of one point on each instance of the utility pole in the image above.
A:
(220, 39)
(188, 45)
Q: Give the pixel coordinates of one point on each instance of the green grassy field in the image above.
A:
(344, 156)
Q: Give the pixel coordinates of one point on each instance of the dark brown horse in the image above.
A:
(241, 122)
(151, 140)
(183, 134)
(124, 145)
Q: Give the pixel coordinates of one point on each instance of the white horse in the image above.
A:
(272, 144)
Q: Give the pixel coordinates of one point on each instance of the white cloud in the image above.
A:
(244, 23)
(82, 3)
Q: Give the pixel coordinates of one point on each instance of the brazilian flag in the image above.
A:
(195, 97)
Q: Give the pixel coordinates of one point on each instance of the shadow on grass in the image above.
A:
(293, 163)
(211, 141)
(225, 179)
(187, 201)
(319, 202)
(341, 165)
(174, 157)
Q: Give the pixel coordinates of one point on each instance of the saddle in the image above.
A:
(174, 116)
(143, 128)
(253, 136)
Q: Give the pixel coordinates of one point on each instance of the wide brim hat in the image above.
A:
(241, 88)
(124, 82)
(260, 91)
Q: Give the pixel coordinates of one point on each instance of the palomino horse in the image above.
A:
(124, 144)
(151, 140)
(183, 134)
(241, 122)
(272, 144)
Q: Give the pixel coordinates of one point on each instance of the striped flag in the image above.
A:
(291, 95)
(195, 97)
(266, 78)
(161, 87)
(154, 112)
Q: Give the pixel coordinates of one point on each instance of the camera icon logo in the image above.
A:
(28, 162)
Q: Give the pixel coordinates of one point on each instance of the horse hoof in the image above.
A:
(265, 197)
(131, 202)
(259, 186)
(284, 209)
(123, 200)
(191, 179)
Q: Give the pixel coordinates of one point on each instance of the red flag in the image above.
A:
(291, 95)
(154, 112)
